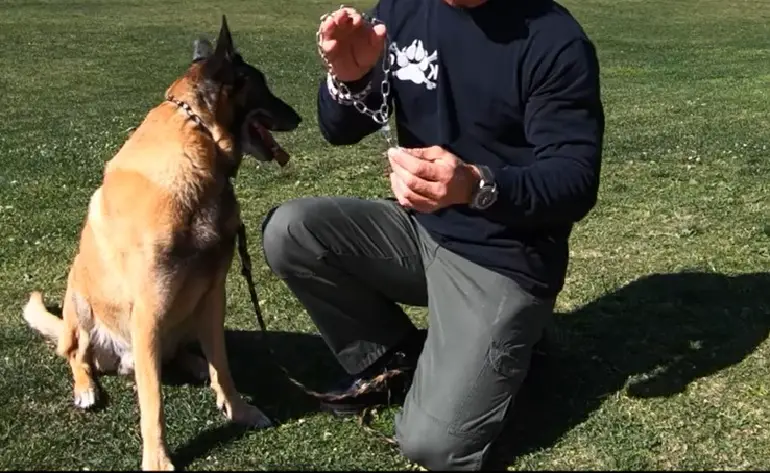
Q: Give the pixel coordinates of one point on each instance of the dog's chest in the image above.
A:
(211, 226)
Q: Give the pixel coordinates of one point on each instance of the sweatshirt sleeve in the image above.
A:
(564, 122)
(343, 124)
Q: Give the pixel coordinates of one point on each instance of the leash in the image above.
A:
(379, 381)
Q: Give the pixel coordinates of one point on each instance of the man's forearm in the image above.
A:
(551, 191)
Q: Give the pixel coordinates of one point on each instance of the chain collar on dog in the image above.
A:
(190, 113)
(199, 122)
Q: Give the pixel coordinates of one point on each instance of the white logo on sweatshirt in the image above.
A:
(413, 63)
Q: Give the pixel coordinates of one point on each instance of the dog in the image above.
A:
(159, 237)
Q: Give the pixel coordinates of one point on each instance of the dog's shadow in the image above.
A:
(259, 378)
(651, 338)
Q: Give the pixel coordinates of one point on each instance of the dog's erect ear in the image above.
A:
(202, 49)
(225, 49)
(220, 64)
(225, 39)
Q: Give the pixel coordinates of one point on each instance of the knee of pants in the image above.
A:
(432, 446)
(285, 238)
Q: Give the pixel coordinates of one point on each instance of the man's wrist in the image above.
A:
(474, 179)
(485, 190)
(359, 85)
(347, 92)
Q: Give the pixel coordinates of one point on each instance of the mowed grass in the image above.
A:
(663, 361)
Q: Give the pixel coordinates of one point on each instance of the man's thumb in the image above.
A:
(380, 30)
(377, 37)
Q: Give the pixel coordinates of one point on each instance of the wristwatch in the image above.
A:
(486, 194)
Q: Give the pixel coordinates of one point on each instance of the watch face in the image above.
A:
(485, 199)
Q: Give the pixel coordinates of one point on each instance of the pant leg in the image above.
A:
(482, 328)
(349, 262)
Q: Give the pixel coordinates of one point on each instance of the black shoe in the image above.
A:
(384, 384)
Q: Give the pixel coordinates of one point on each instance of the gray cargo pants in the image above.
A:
(350, 261)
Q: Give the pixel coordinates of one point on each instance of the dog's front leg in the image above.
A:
(145, 337)
(211, 334)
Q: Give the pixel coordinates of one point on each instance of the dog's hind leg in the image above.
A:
(74, 344)
(211, 333)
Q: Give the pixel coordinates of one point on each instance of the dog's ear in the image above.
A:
(225, 49)
(220, 64)
(202, 49)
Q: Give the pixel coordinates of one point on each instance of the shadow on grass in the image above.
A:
(259, 379)
(650, 338)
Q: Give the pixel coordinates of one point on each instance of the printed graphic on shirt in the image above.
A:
(413, 63)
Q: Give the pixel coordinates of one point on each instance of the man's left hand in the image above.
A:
(429, 179)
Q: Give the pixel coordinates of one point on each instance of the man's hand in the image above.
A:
(429, 179)
(351, 45)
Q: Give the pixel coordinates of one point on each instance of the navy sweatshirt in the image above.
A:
(514, 85)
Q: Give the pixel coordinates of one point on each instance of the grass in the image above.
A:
(664, 362)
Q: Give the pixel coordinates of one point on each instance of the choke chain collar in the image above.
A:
(342, 93)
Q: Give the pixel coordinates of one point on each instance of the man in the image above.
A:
(500, 126)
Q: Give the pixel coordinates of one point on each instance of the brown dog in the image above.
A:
(159, 237)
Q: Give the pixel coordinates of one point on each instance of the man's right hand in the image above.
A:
(350, 43)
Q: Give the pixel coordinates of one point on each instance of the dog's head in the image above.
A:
(237, 95)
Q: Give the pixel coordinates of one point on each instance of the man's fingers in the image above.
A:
(376, 37)
(327, 46)
(355, 19)
(327, 26)
(429, 154)
(428, 189)
(340, 24)
(408, 198)
(341, 16)
(398, 190)
(345, 28)
(415, 165)
(378, 34)
(380, 30)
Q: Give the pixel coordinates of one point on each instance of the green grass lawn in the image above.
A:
(663, 361)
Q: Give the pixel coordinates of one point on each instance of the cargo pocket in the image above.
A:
(485, 406)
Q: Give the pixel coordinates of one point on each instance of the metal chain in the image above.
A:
(345, 96)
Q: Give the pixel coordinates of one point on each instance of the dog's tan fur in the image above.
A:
(154, 252)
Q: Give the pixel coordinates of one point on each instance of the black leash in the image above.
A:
(243, 251)
(377, 382)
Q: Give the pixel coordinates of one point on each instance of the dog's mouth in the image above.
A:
(259, 141)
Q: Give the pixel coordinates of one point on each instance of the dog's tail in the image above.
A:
(37, 316)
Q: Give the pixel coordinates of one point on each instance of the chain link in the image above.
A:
(343, 94)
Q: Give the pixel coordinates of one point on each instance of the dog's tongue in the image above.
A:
(279, 154)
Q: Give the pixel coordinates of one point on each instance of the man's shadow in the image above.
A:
(651, 338)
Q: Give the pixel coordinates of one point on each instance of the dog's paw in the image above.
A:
(86, 398)
(245, 414)
(157, 462)
(126, 365)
